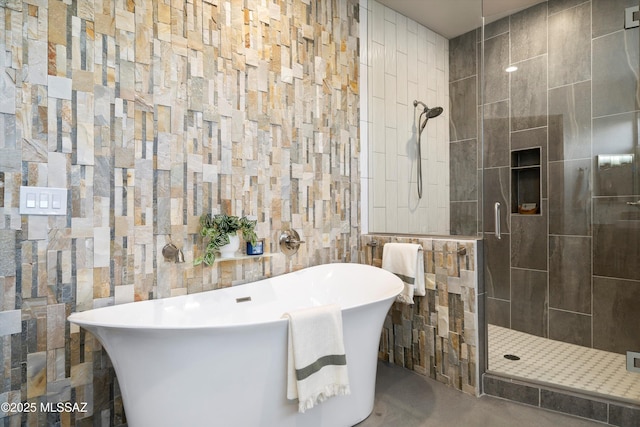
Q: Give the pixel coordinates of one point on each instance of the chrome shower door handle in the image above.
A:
(496, 211)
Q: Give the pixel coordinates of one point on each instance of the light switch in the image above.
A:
(44, 201)
(31, 200)
(55, 201)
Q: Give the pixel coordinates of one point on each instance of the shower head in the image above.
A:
(430, 113)
(433, 112)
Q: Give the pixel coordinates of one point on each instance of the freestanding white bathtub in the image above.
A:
(219, 358)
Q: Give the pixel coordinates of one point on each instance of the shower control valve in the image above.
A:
(290, 242)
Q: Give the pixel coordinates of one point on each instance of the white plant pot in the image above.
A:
(229, 250)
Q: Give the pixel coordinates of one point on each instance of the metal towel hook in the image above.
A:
(373, 245)
(171, 252)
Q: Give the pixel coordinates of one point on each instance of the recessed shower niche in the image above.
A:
(526, 181)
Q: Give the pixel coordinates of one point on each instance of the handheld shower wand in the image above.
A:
(427, 113)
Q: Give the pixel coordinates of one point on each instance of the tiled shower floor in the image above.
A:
(565, 365)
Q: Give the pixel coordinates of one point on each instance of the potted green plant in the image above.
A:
(221, 230)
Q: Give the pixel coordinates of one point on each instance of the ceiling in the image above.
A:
(452, 18)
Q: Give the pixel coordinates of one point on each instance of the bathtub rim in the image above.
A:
(76, 318)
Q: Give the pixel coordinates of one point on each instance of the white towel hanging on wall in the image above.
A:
(406, 260)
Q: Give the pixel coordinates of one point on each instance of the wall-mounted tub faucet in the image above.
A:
(172, 253)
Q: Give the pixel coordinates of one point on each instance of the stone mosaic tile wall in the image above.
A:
(437, 335)
(151, 113)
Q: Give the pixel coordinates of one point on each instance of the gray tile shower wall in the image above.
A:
(560, 273)
(150, 113)
(438, 335)
(571, 101)
(463, 134)
(463, 157)
(569, 270)
(570, 197)
(618, 298)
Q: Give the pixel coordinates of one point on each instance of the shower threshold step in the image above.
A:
(564, 377)
(570, 402)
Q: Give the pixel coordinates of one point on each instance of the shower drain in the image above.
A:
(511, 357)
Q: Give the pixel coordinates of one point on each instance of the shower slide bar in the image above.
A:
(427, 113)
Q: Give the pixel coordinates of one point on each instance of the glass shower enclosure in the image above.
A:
(560, 111)
(540, 160)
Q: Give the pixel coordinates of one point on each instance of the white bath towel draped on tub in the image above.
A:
(406, 260)
(317, 364)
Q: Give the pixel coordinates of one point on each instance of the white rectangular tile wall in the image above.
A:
(402, 61)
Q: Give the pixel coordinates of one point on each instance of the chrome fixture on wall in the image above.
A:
(427, 113)
(630, 17)
(290, 242)
(373, 245)
(172, 253)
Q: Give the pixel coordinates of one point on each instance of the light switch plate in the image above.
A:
(43, 201)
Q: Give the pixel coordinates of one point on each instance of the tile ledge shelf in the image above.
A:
(452, 237)
(242, 257)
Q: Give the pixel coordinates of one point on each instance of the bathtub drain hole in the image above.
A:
(243, 299)
(511, 357)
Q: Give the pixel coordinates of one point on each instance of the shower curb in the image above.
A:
(607, 411)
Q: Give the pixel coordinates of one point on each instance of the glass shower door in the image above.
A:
(561, 193)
